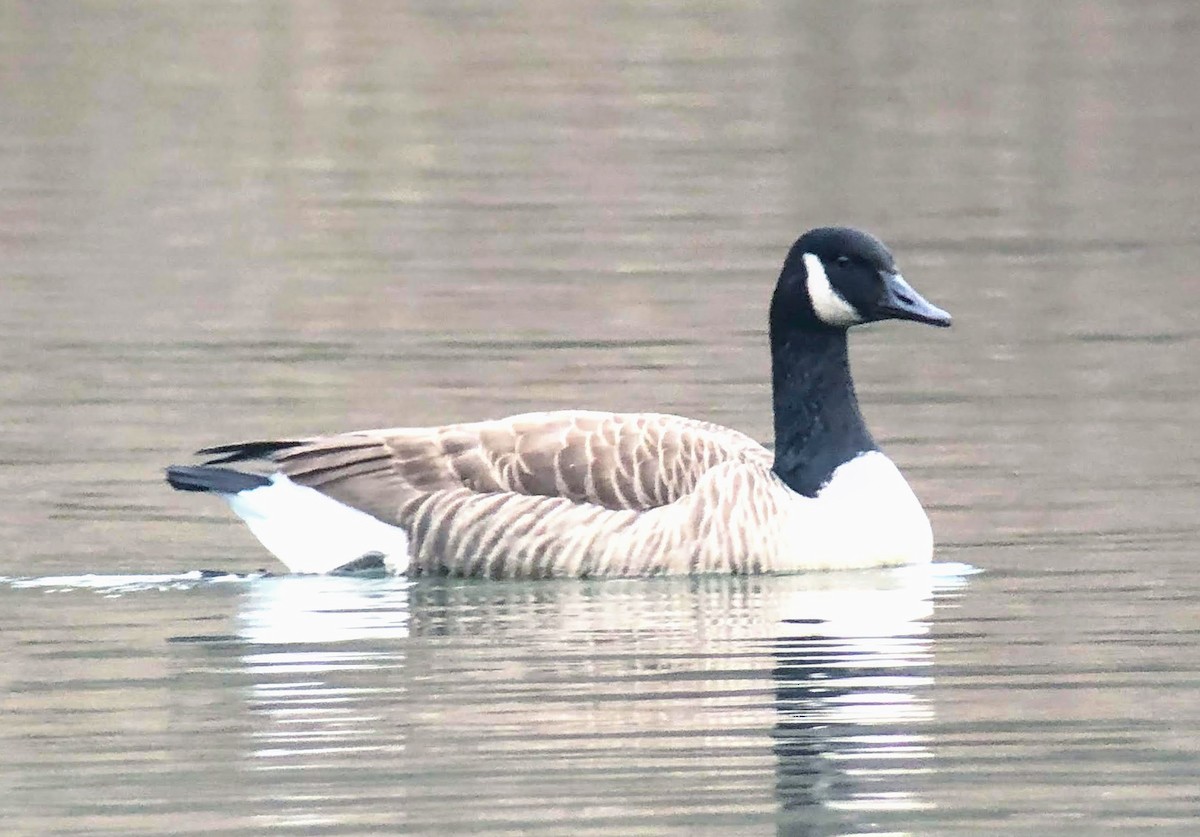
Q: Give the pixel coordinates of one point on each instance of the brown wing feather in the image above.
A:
(613, 460)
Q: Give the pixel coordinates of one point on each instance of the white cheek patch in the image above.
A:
(828, 304)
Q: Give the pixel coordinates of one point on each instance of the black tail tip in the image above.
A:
(207, 478)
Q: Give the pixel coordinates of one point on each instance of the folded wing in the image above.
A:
(612, 460)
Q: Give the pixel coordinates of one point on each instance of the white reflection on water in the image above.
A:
(293, 609)
(851, 679)
(303, 630)
(796, 698)
(789, 704)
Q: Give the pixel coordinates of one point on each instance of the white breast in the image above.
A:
(866, 516)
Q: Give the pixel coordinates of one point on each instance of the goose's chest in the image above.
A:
(866, 516)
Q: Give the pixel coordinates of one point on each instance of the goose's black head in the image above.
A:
(834, 278)
(837, 277)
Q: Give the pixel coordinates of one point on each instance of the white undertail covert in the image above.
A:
(313, 533)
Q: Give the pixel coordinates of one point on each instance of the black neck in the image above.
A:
(818, 425)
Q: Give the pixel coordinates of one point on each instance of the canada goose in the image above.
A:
(581, 493)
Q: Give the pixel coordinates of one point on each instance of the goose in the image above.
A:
(585, 493)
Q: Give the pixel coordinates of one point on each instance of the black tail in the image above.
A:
(206, 478)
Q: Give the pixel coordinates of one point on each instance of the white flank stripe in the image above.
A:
(313, 533)
(828, 304)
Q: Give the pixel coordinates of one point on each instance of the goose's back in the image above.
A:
(616, 461)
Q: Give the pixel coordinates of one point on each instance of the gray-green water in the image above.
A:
(241, 221)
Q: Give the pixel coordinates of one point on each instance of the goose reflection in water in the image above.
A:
(785, 704)
(851, 691)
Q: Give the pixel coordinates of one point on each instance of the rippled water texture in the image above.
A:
(258, 220)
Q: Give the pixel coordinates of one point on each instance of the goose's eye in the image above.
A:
(842, 261)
